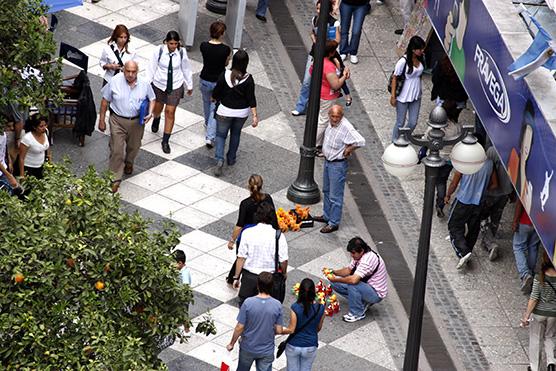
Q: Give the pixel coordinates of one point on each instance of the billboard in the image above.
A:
(510, 115)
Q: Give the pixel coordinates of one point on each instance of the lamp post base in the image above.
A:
(304, 194)
(217, 6)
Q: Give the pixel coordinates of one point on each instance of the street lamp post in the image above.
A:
(304, 189)
(400, 159)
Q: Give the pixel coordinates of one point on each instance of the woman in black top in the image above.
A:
(216, 56)
(246, 217)
(235, 94)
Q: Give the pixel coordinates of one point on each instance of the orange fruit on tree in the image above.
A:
(70, 262)
(19, 278)
(99, 285)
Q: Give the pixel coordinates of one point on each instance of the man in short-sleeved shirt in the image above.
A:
(258, 321)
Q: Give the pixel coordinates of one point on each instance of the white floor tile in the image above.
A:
(141, 12)
(193, 342)
(335, 258)
(201, 240)
(175, 170)
(156, 148)
(212, 265)
(131, 192)
(224, 253)
(193, 217)
(206, 184)
(151, 181)
(115, 5)
(185, 118)
(161, 6)
(183, 194)
(159, 204)
(147, 52)
(189, 139)
(89, 11)
(190, 252)
(218, 289)
(213, 353)
(233, 194)
(113, 19)
(226, 314)
(198, 277)
(95, 50)
(215, 206)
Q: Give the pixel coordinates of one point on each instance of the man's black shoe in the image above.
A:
(329, 228)
(165, 147)
(261, 18)
(320, 219)
(399, 31)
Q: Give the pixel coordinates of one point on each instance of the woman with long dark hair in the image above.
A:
(540, 316)
(408, 71)
(306, 319)
(34, 147)
(169, 71)
(235, 95)
(116, 53)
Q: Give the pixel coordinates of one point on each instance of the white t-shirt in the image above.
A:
(3, 148)
(412, 87)
(35, 151)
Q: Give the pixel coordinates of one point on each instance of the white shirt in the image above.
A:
(124, 100)
(258, 246)
(337, 138)
(3, 148)
(412, 86)
(158, 69)
(108, 57)
(35, 151)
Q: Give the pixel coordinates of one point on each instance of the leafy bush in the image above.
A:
(83, 285)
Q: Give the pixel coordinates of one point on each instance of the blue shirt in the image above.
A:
(185, 276)
(259, 316)
(126, 100)
(471, 187)
(308, 336)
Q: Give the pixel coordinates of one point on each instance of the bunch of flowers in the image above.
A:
(324, 296)
(291, 220)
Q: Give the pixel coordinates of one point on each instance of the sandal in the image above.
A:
(348, 102)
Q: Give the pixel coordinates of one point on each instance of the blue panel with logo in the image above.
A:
(509, 113)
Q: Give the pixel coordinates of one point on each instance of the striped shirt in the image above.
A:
(545, 295)
(366, 265)
(337, 138)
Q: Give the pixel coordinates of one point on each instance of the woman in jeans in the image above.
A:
(409, 99)
(216, 56)
(235, 94)
(540, 316)
(301, 349)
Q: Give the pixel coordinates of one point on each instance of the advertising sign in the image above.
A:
(510, 115)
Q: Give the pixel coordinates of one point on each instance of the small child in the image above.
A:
(185, 277)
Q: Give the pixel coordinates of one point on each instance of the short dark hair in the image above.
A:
(180, 256)
(264, 214)
(33, 122)
(265, 283)
(356, 244)
(217, 29)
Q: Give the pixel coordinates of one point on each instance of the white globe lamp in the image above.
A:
(468, 156)
(399, 160)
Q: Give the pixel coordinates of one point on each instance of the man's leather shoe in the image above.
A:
(128, 168)
(165, 147)
(261, 18)
(320, 219)
(329, 228)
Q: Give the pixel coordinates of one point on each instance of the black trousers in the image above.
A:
(492, 209)
(441, 181)
(248, 286)
(37, 172)
(462, 216)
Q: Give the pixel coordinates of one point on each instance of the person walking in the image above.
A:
(446, 85)
(115, 53)
(540, 317)
(364, 282)
(356, 11)
(525, 246)
(258, 321)
(246, 217)
(406, 7)
(216, 56)
(34, 147)
(257, 253)
(235, 96)
(169, 71)
(306, 319)
(411, 66)
(340, 140)
(125, 94)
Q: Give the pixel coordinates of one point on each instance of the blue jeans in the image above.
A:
(401, 111)
(301, 105)
(334, 179)
(225, 125)
(208, 108)
(262, 6)
(357, 295)
(263, 362)
(5, 184)
(526, 246)
(358, 12)
(300, 358)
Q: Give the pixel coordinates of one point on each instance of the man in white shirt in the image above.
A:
(257, 251)
(125, 94)
(340, 140)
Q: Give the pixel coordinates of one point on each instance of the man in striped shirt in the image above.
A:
(340, 140)
(364, 282)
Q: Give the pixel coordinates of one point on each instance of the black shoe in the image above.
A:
(440, 212)
(329, 228)
(165, 147)
(399, 31)
(231, 162)
(320, 219)
(261, 18)
(155, 124)
(551, 367)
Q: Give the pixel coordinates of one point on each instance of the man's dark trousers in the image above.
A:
(462, 215)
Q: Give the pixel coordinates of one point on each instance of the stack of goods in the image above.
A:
(324, 296)
(295, 219)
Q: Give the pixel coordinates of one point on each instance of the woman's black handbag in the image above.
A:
(278, 278)
(399, 80)
(282, 345)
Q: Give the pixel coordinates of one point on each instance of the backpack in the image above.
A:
(160, 53)
(399, 80)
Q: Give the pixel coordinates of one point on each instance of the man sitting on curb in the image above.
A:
(363, 282)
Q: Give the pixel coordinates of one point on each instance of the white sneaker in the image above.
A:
(353, 318)
(379, 2)
(343, 56)
(296, 113)
(463, 261)
(353, 59)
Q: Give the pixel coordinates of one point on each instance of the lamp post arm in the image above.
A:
(465, 130)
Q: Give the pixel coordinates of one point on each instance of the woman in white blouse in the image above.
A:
(169, 71)
(34, 145)
(116, 53)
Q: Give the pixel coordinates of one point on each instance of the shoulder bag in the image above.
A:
(368, 277)
(118, 57)
(278, 278)
(399, 80)
(282, 345)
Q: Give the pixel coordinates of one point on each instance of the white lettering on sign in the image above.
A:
(492, 83)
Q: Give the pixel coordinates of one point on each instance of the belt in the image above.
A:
(123, 117)
(338, 160)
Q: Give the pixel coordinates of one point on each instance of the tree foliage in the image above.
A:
(83, 285)
(24, 43)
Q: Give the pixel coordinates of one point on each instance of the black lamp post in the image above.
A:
(304, 190)
(399, 159)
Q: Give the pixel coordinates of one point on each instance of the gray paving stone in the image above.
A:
(202, 303)
(330, 358)
(219, 228)
(184, 362)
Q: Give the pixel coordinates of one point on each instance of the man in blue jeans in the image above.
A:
(364, 282)
(340, 140)
(526, 247)
(358, 10)
(258, 321)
